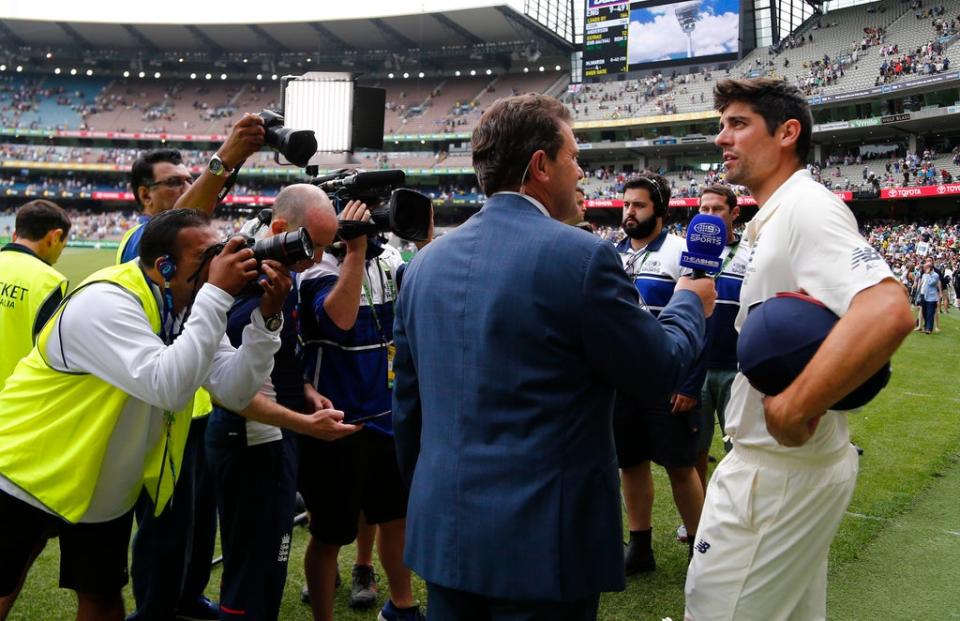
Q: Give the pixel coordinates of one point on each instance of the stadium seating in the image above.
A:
(834, 35)
(48, 102)
(155, 106)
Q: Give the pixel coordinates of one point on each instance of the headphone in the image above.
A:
(656, 194)
(166, 267)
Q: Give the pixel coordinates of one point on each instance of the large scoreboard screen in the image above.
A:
(624, 36)
(605, 32)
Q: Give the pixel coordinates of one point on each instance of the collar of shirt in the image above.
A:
(15, 247)
(766, 212)
(171, 322)
(625, 246)
(535, 202)
(143, 219)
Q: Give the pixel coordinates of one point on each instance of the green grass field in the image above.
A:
(78, 263)
(894, 558)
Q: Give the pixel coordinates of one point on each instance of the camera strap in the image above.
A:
(229, 183)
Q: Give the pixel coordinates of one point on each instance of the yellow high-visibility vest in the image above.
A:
(55, 425)
(26, 284)
(124, 241)
(203, 404)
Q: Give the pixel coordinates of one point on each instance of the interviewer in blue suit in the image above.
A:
(512, 334)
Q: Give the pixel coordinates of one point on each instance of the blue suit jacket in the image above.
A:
(513, 333)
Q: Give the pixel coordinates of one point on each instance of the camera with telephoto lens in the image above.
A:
(288, 249)
(297, 145)
(402, 211)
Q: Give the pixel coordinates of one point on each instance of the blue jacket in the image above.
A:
(513, 333)
(655, 272)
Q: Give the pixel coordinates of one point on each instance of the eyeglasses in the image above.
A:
(172, 182)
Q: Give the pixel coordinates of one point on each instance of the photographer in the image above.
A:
(101, 407)
(347, 325)
(253, 455)
(172, 552)
(160, 181)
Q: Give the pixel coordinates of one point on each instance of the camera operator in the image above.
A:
(347, 325)
(172, 553)
(100, 408)
(255, 462)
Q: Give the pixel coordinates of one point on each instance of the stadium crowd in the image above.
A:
(21, 96)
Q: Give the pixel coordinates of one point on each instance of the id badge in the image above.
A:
(391, 352)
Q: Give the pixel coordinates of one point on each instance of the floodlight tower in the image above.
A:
(687, 14)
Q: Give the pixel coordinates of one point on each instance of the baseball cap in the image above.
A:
(781, 335)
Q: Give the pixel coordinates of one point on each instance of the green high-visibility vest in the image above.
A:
(26, 284)
(55, 426)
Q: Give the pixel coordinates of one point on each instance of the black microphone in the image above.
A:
(359, 180)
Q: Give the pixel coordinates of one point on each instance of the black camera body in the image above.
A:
(288, 249)
(402, 211)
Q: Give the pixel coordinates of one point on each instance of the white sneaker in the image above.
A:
(682, 533)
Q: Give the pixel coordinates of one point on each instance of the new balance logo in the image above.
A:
(702, 546)
(865, 255)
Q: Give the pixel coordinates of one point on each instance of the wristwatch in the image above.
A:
(273, 322)
(217, 167)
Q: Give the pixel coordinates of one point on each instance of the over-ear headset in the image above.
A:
(653, 187)
(166, 267)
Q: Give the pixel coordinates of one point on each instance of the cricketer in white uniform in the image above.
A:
(771, 510)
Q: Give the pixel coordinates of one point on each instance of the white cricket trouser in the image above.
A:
(765, 532)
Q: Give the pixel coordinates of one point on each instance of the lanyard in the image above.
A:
(729, 257)
(632, 270)
(388, 290)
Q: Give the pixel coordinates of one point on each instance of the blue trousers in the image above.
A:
(256, 493)
(445, 604)
(929, 313)
(172, 551)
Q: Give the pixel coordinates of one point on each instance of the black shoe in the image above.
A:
(201, 609)
(638, 559)
(363, 590)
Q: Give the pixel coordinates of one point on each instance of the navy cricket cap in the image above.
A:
(781, 335)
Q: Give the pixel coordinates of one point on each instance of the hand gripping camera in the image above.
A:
(402, 211)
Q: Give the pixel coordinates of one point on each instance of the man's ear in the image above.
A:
(144, 193)
(52, 238)
(278, 225)
(538, 166)
(791, 132)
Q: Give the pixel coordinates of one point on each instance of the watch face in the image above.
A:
(216, 166)
(273, 323)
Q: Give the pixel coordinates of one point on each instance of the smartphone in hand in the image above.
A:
(363, 419)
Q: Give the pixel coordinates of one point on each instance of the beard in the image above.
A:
(739, 174)
(636, 229)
